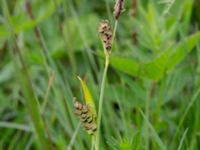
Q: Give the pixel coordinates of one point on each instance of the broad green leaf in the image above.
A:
(182, 50)
(156, 68)
(88, 97)
(126, 65)
(164, 62)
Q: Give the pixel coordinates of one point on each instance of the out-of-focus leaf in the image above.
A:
(3, 31)
(21, 23)
(126, 65)
(48, 10)
(82, 33)
(182, 49)
(156, 68)
(6, 73)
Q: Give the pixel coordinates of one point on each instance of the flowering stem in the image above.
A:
(107, 57)
(101, 98)
(114, 31)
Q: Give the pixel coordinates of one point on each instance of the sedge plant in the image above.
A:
(107, 38)
(86, 112)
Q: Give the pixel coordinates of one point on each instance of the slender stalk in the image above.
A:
(182, 139)
(169, 5)
(182, 119)
(11, 125)
(72, 141)
(50, 82)
(108, 10)
(146, 129)
(114, 31)
(101, 99)
(94, 145)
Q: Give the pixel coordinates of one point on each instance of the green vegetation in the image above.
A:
(141, 93)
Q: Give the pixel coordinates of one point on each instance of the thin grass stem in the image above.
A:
(114, 31)
(72, 141)
(101, 99)
(146, 129)
(17, 126)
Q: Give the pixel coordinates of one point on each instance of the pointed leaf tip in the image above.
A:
(88, 97)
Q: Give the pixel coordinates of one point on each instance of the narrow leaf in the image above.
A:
(88, 97)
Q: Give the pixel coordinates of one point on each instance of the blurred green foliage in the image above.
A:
(152, 90)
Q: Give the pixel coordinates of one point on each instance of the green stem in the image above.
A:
(73, 139)
(108, 10)
(101, 98)
(146, 129)
(94, 143)
(114, 31)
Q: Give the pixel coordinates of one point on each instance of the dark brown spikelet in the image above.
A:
(119, 7)
(87, 119)
(105, 34)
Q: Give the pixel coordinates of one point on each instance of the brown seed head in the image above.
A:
(77, 105)
(87, 119)
(105, 34)
(119, 7)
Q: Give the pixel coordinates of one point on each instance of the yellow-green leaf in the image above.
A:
(88, 97)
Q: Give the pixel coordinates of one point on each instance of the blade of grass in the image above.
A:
(72, 141)
(194, 98)
(108, 10)
(146, 127)
(155, 135)
(182, 139)
(13, 125)
(50, 82)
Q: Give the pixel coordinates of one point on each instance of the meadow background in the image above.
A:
(152, 89)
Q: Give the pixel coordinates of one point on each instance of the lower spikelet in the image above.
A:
(105, 34)
(87, 119)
